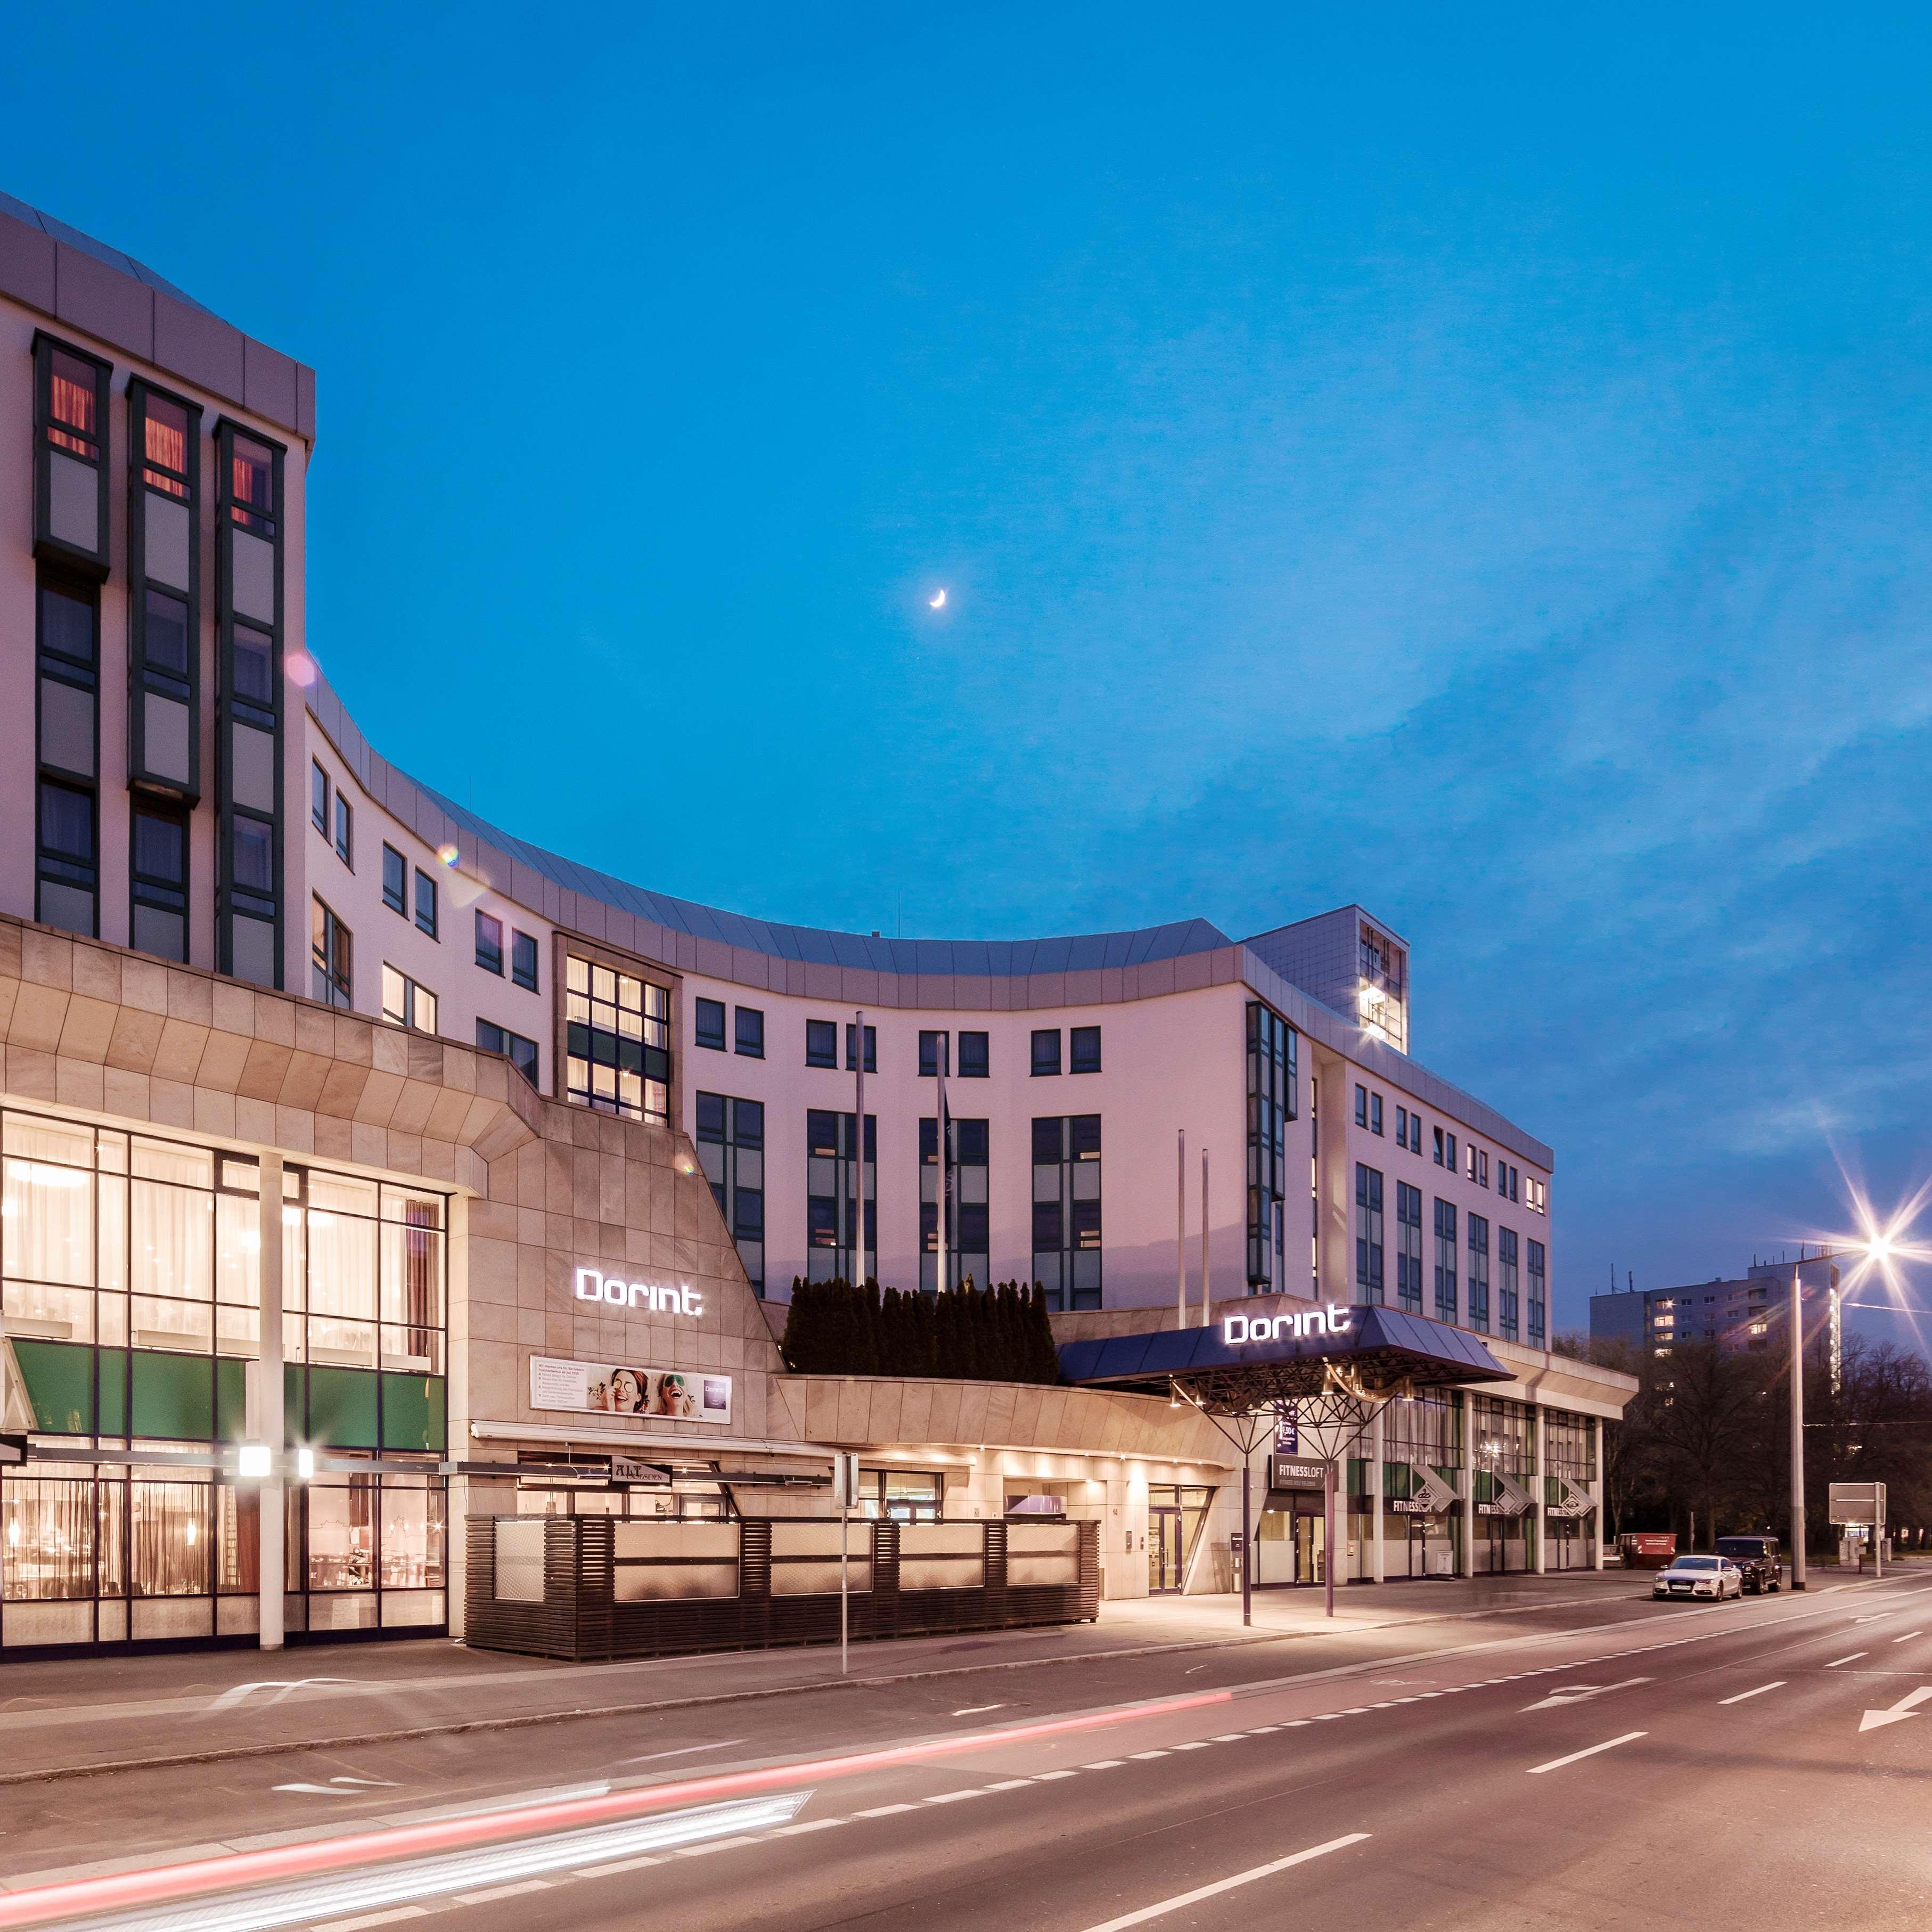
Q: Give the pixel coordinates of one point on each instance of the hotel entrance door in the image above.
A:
(1290, 1539)
(1164, 1553)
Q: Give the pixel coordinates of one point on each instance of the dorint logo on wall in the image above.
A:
(592, 1284)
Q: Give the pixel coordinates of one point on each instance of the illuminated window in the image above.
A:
(330, 947)
(406, 1003)
(617, 1032)
(71, 457)
(1067, 1247)
(1409, 1247)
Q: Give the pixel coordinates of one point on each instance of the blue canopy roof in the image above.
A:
(1383, 1346)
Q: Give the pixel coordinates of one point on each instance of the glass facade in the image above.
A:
(130, 1278)
(731, 1146)
(1273, 1074)
(618, 1042)
(1503, 1452)
(1067, 1210)
(831, 1204)
(968, 1235)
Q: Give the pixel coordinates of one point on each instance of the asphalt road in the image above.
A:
(1669, 1764)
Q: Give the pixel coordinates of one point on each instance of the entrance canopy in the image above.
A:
(1248, 1361)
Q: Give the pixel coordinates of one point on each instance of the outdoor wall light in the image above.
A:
(252, 1460)
(305, 1464)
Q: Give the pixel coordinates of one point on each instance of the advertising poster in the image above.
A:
(620, 1388)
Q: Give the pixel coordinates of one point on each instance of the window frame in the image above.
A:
(1037, 1062)
(722, 1043)
(506, 1043)
(521, 942)
(92, 564)
(748, 1044)
(976, 1064)
(433, 924)
(398, 902)
(821, 1043)
(935, 1054)
(163, 812)
(54, 865)
(345, 830)
(336, 962)
(484, 952)
(144, 677)
(404, 1012)
(1077, 1061)
(871, 1047)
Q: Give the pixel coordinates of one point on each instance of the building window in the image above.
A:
(1368, 1234)
(1479, 1274)
(1045, 1051)
(1538, 1200)
(158, 916)
(318, 799)
(523, 960)
(329, 952)
(871, 1047)
(1083, 1044)
(1439, 1148)
(1445, 1260)
(406, 1003)
(68, 860)
(490, 943)
(831, 1200)
(1067, 1210)
(522, 1052)
(345, 831)
(395, 881)
(1273, 1073)
(964, 1189)
(1409, 1247)
(250, 712)
(708, 1024)
(617, 1038)
(70, 456)
(1361, 1106)
(821, 1043)
(1383, 997)
(425, 903)
(1506, 1283)
(974, 1056)
(1375, 1114)
(750, 1036)
(163, 593)
(1538, 1294)
(935, 1054)
(731, 1148)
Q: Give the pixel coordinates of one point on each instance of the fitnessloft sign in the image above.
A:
(594, 1285)
(1333, 1320)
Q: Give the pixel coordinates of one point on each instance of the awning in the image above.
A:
(1246, 1360)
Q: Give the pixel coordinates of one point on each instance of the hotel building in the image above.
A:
(335, 1119)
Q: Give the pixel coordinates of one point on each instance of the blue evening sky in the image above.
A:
(1473, 463)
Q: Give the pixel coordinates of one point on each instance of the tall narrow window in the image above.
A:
(345, 830)
(1368, 1234)
(1409, 1247)
(1083, 1048)
(821, 1043)
(318, 797)
(1506, 1290)
(974, 1056)
(731, 1148)
(68, 868)
(164, 594)
(425, 903)
(832, 1199)
(395, 880)
(1066, 1242)
(248, 568)
(1273, 1080)
(963, 1187)
(935, 1054)
(1045, 1051)
(157, 919)
(1538, 1294)
(490, 943)
(71, 457)
(523, 960)
(1479, 1274)
(522, 1053)
(871, 1047)
(617, 1042)
(749, 1034)
(708, 1024)
(329, 955)
(1446, 1297)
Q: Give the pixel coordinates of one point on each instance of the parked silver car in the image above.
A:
(1715, 1577)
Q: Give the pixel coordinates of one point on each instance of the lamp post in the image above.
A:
(1797, 1430)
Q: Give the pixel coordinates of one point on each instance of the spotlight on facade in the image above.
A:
(305, 1464)
(251, 1460)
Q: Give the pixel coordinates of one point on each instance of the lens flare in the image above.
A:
(447, 853)
(1879, 1254)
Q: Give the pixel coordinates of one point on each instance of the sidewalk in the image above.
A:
(72, 1717)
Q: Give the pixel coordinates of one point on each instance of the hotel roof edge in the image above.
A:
(669, 929)
(85, 287)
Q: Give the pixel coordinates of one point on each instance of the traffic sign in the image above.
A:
(1858, 1502)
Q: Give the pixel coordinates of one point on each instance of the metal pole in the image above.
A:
(1247, 1541)
(271, 1560)
(1328, 1530)
(1797, 1433)
(844, 1526)
(858, 1154)
(1180, 1236)
(1205, 1303)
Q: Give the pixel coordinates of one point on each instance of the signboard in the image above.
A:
(657, 1298)
(1858, 1502)
(1297, 1472)
(628, 1469)
(1332, 1319)
(1410, 1506)
(619, 1388)
(1287, 1430)
(1509, 1508)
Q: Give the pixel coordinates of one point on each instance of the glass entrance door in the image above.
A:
(1291, 1541)
(1164, 1554)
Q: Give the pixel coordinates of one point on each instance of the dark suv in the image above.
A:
(1757, 1557)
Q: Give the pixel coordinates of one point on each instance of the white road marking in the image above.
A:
(793, 1831)
(885, 1810)
(1105, 1763)
(1227, 1738)
(1015, 1783)
(714, 1845)
(973, 1710)
(684, 1751)
(1047, 1776)
(1220, 1886)
(1758, 1692)
(954, 1797)
(1852, 1659)
(1558, 1763)
(1581, 1694)
(638, 1864)
(1138, 1754)
(1899, 1712)
(1907, 1638)
(495, 1891)
(1196, 1744)
(368, 1919)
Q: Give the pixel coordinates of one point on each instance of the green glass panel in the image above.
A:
(295, 1391)
(114, 1391)
(59, 1377)
(174, 1395)
(342, 1407)
(231, 1398)
(412, 1412)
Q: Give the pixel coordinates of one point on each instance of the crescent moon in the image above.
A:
(936, 603)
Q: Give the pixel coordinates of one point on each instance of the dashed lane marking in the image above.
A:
(1852, 1659)
(1758, 1692)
